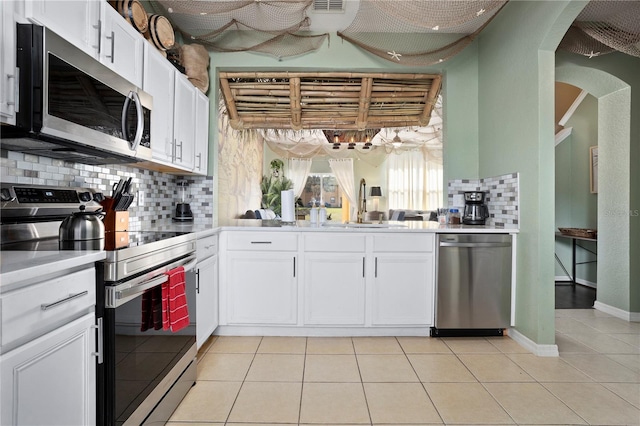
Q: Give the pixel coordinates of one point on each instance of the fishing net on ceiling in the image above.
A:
(418, 32)
(604, 27)
(269, 27)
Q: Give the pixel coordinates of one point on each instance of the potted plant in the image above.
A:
(272, 185)
(276, 167)
(271, 188)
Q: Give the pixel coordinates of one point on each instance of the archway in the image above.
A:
(614, 139)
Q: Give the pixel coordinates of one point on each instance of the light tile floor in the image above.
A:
(418, 380)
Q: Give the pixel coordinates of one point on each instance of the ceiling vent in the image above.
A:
(328, 5)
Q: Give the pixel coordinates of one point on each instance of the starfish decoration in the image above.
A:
(436, 28)
(480, 12)
(394, 55)
(592, 54)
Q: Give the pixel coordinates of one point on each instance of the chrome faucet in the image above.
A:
(362, 200)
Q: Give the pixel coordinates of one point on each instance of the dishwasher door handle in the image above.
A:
(474, 245)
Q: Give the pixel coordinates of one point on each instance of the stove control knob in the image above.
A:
(85, 196)
(5, 195)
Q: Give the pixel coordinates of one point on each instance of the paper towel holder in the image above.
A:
(288, 213)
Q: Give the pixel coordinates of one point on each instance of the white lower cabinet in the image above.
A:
(346, 280)
(402, 289)
(334, 288)
(207, 301)
(52, 379)
(403, 280)
(262, 288)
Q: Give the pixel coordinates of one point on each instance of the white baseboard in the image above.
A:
(617, 312)
(240, 330)
(533, 347)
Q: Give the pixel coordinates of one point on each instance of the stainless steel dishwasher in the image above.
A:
(473, 284)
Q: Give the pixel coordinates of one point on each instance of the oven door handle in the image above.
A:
(120, 294)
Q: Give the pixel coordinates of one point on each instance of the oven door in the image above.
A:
(146, 373)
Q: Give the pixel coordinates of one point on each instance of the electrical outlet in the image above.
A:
(140, 198)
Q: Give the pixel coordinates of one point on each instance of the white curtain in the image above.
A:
(343, 171)
(298, 172)
(415, 181)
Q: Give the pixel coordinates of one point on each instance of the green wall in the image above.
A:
(459, 91)
(576, 206)
(498, 118)
(516, 115)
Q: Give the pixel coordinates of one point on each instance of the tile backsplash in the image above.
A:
(502, 197)
(161, 191)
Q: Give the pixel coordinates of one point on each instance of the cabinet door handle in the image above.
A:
(180, 150)
(199, 161)
(100, 343)
(174, 150)
(294, 266)
(363, 267)
(198, 281)
(12, 89)
(113, 50)
(260, 242)
(47, 306)
(376, 268)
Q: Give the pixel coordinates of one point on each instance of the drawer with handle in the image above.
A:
(206, 247)
(35, 310)
(263, 241)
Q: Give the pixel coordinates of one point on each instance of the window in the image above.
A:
(322, 188)
(415, 182)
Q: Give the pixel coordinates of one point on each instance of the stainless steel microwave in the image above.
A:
(73, 107)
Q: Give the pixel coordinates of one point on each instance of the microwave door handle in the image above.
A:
(139, 124)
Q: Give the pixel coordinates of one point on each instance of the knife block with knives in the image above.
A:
(116, 220)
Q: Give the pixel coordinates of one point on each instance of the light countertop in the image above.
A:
(305, 226)
(385, 227)
(18, 268)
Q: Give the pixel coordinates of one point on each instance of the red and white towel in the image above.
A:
(175, 314)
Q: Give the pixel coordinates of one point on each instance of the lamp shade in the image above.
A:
(376, 191)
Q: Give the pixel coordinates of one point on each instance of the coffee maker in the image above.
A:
(475, 209)
(183, 209)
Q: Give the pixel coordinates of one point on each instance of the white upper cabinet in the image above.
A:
(202, 134)
(97, 29)
(158, 81)
(121, 45)
(8, 84)
(179, 118)
(184, 131)
(77, 21)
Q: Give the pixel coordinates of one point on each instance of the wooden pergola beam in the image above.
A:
(325, 100)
